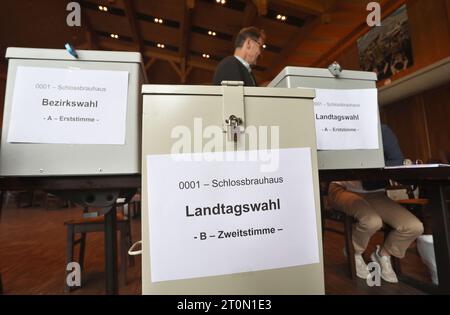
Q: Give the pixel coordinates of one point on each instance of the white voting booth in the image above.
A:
(71, 116)
(346, 115)
(230, 194)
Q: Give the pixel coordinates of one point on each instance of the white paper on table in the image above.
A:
(417, 166)
(346, 119)
(68, 106)
(176, 248)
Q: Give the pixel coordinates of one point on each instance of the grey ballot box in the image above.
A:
(55, 159)
(294, 77)
(168, 106)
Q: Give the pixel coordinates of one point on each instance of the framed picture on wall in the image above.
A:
(386, 49)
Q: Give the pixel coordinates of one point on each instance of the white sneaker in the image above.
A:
(387, 272)
(361, 268)
(362, 271)
(425, 247)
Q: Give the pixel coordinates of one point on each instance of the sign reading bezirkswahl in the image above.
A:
(225, 216)
(68, 106)
(346, 119)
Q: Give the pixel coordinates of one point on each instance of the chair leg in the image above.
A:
(123, 254)
(397, 266)
(82, 250)
(1, 203)
(129, 243)
(136, 209)
(348, 226)
(69, 253)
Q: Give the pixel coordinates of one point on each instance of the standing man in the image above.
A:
(247, 48)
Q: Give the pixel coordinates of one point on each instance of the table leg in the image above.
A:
(1, 204)
(438, 207)
(1, 207)
(112, 284)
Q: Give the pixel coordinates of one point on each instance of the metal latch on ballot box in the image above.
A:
(234, 128)
(233, 109)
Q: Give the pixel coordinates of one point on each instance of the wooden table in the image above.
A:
(436, 180)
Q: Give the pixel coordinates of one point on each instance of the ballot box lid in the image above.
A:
(218, 90)
(83, 55)
(322, 73)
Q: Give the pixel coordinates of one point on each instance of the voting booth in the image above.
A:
(230, 193)
(67, 115)
(346, 114)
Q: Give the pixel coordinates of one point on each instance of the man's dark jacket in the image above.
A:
(231, 69)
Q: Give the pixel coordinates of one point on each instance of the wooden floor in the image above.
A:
(32, 257)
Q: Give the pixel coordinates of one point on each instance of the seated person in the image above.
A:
(371, 207)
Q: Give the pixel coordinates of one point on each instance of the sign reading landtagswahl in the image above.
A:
(225, 216)
(346, 119)
(68, 106)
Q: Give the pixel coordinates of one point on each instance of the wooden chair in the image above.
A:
(404, 195)
(97, 224)
(22, 198)
(135, 206)
(348, 221)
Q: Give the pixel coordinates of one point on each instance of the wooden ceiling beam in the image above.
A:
(262, 6)
(3, 65)
(292, 45)
(328, 6)
(150, 63)
(250, 14)
(200, 63)
(195, 63)
(190, 4)
(324, 7)
(313, 7)
(162, 56)
(175, 67)
(251, 11)
(188, 71)
(90, 34)
(186, 28)
(185, 35)
(203, 64)
(135, 31)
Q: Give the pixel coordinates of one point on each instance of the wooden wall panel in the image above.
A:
(349, 59)
(437, 111)
(422, 124)
(201, 76)
(447, 3)
(430, 31)
(429, 23)
(161, 72)
(407, 120)
(2, 98)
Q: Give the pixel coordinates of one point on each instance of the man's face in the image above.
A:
(254, 50)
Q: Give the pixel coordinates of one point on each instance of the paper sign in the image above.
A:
(346, 119)
(225, 217)
(71, 106)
